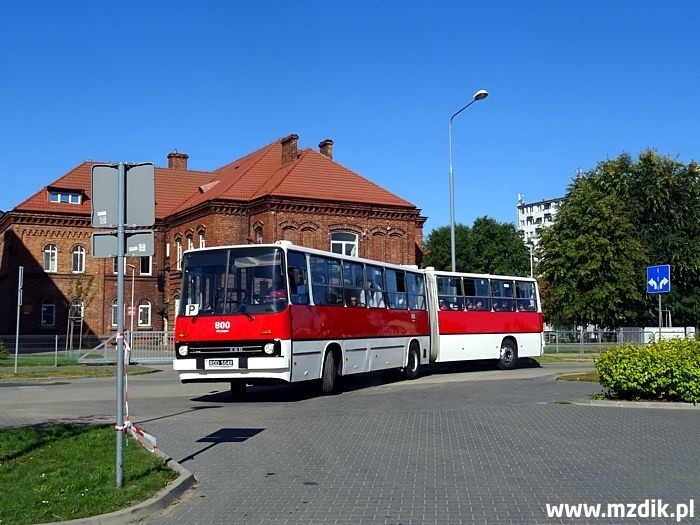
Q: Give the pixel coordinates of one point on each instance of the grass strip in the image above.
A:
(68, 471)
(588, 377)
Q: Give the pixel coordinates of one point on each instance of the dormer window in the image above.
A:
(65, 197)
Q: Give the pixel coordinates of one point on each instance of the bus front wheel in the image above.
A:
(329, 379)
(509, 355)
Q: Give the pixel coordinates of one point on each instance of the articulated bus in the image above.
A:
(259, 313)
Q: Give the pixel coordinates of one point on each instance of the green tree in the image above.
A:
(438, 248)
(666, 195)
(498, 248)
(487, 247)
(619, 218)
(590, 256)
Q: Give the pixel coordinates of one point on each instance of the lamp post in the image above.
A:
(531, 245)
(131, 308)
(479, 95)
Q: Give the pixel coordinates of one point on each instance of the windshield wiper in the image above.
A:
(241, 309)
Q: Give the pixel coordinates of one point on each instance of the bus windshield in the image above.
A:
(234, 281)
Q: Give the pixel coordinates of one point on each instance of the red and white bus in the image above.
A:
(278, 312)
(258, 312)
(484, 317)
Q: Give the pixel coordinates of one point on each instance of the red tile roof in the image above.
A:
(311, 175)
(172, 187)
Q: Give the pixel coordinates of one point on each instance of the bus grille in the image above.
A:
(249, 349)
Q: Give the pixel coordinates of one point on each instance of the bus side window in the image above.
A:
(326, 279)
(502, 295)
(298, 278)
(396, 289)
(416, 291)
(374, 294)
(525, 292)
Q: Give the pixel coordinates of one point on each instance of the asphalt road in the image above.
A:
(465, 445)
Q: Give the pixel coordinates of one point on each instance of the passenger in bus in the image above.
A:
(275, 295)
(353, 301)
(479, 306)
(503, 306)
(443, 306)
(470, 305)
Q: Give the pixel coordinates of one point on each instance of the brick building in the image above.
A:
(277, 192)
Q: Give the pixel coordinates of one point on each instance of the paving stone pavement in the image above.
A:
(444, 449)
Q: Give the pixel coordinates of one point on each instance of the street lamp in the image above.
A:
(479, 95)
(531, 245)
(131, 308)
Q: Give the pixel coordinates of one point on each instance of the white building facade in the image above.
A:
(534, 216)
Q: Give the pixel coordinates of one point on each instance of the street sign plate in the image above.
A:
(138, 244)
(659, 279)
(139, 192)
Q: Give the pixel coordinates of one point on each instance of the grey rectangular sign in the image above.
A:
(138, 244)
(139, 192)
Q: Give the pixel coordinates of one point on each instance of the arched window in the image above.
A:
(145, 265)
(190, 242)
(178, 253)
(177, 305)
(50, 258)
(78, 264)
(114, 312)
(344, 242)
(144, 312)
(258, 235)
(48, 312)
(202, 240)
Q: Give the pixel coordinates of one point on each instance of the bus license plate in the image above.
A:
(221, 363)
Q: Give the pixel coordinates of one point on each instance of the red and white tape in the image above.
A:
(144, 439)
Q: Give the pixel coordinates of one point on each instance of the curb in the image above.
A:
(139, 511)
(675, 405)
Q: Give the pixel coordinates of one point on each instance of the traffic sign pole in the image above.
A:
(121, 260)
(132, 188)
(660, 317)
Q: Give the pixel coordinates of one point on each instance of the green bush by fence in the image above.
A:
(665, 370)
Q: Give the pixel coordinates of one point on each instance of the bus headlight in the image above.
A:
(182, 350)
(269, 348)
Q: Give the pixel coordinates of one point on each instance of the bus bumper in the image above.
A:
(201, 370)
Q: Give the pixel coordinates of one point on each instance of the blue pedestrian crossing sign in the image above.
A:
(659, 279)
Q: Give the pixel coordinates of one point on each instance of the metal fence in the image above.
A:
(158, 347)
(155, 347)
(595, 341)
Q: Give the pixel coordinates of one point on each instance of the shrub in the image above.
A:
(665, 370)
(3, 350)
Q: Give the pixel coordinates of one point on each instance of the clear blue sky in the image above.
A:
(571, 83)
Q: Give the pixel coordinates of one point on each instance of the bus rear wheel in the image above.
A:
(509, 355)
(329, 379)
(410, 371)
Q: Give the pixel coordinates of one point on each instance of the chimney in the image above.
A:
(289, 148)
(177, 161)
(326, 148)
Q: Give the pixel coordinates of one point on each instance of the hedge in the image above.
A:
(664, 370)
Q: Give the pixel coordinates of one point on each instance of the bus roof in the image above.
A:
(288, 245)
